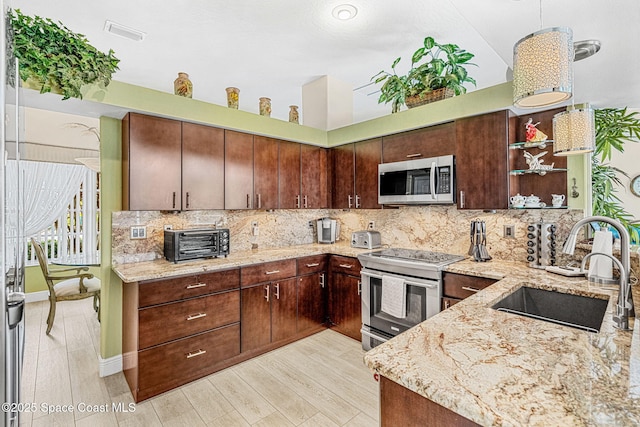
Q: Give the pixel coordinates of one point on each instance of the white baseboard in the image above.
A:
(110, 366)
(37, 296)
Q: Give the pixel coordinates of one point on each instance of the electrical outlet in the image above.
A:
(372, 225)
(168, 227)
(509, 231)
(310, 224)
(138, 232)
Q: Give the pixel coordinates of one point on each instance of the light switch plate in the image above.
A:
(138, 232)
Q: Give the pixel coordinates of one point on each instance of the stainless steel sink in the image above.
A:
(576, 311)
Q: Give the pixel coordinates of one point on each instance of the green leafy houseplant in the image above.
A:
(55, 58)
(433, 66)
(614, 127)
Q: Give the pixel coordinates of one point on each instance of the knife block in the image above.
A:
(541, 244)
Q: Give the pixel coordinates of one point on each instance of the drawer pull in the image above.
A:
(199, 285)
(266, 293)
(466, 288)
(346, 265)
(322, 280)
(315, 264)
(410, 156)
(196, 316)
(197, 353)
(277, 291)
(271, 272)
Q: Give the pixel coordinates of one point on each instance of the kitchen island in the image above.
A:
(496, 368)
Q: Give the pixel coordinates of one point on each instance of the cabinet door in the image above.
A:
(202, 167)
(368, 154)
(314, 178)
(289, 175)
(482, 171)
(342, 183)
(255, 319)
(151, 163)
(344, 304)
(283, 309)
(238, 170)
(432, 141)
(265, 173)
(311, 301)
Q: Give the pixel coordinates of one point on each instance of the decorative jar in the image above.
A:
(233, 97)
(293, 114)
(265, 107)
(182, 86)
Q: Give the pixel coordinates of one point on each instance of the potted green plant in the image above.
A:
(437, 72)
(614, 127)
(54, 58)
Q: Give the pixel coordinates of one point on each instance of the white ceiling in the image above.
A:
(274, 47)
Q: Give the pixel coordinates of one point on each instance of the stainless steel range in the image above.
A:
(400, 288)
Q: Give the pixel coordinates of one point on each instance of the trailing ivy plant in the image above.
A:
(57, 58)
(614, 127)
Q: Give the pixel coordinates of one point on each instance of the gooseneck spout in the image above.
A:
(624, 295)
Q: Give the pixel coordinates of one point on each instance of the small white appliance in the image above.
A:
(328, 230)
(366, 239)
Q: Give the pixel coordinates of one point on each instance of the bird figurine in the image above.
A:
(536, 163)
(533, 134)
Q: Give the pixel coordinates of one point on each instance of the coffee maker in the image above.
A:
(328, 230)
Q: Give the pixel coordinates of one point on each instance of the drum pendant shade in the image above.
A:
(542, 68)
(574, 131)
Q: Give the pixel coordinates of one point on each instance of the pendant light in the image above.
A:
(543, 67)
(574, 130)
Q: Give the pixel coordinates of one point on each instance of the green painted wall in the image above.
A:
(111, 198)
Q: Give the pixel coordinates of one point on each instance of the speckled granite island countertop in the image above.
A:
(496, 368)
(158, 269)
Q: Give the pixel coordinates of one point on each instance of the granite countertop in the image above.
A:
(158, 269)
(497, 368)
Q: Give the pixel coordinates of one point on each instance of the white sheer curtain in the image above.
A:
(47, 190)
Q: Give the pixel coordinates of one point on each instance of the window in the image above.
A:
(75, 235)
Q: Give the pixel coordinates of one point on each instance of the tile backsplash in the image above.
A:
(436, 228)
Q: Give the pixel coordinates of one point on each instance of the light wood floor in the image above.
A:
(318, 381)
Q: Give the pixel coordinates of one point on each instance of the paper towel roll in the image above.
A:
(600, 266)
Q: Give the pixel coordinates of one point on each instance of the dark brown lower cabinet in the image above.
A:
(345, 307)
(311, 301)
(268, 313)
(456, 287)
(400, 406)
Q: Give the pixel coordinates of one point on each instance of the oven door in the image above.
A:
(423, 301)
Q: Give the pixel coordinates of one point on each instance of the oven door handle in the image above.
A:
(375, 337)
(408, 282)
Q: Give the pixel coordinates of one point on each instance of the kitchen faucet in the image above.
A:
(625, 304)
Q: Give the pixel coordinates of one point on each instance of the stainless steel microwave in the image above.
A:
(417, 182)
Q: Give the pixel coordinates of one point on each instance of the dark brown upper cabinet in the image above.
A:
(354, 169)
(238, 170)
(265, 172)
(432, 141)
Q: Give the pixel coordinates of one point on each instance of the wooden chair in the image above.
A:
(70, 287)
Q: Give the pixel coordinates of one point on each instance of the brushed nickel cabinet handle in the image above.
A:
(410, 156)
(315, 264)
(446, 304)
(266, 293)
(187, 200)
(197, 353)
(357, 202)
(174, 199)
(196, 316)
(248, 200)
(466, 288)
(277, 290)
(461, 199)
(349, 200)
(346, 265)
(322, 280)
(305, 201)
(359, 287)
(198, 285)
(271, 272)
(259, 201)
(298, 201)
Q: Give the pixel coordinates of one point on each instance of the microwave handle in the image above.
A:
(432, 181)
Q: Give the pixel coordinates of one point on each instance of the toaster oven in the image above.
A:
(183, 245)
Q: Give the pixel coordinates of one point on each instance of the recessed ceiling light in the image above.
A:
(344, 12)
(123, 31)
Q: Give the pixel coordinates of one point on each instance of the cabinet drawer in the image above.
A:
(180, 361)
(448, 302)
(160, 291)
(311, 264)
(462, 286)
(269, 271)
(168, 322)
(346, 265)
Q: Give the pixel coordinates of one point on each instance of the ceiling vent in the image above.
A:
(123, 31)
